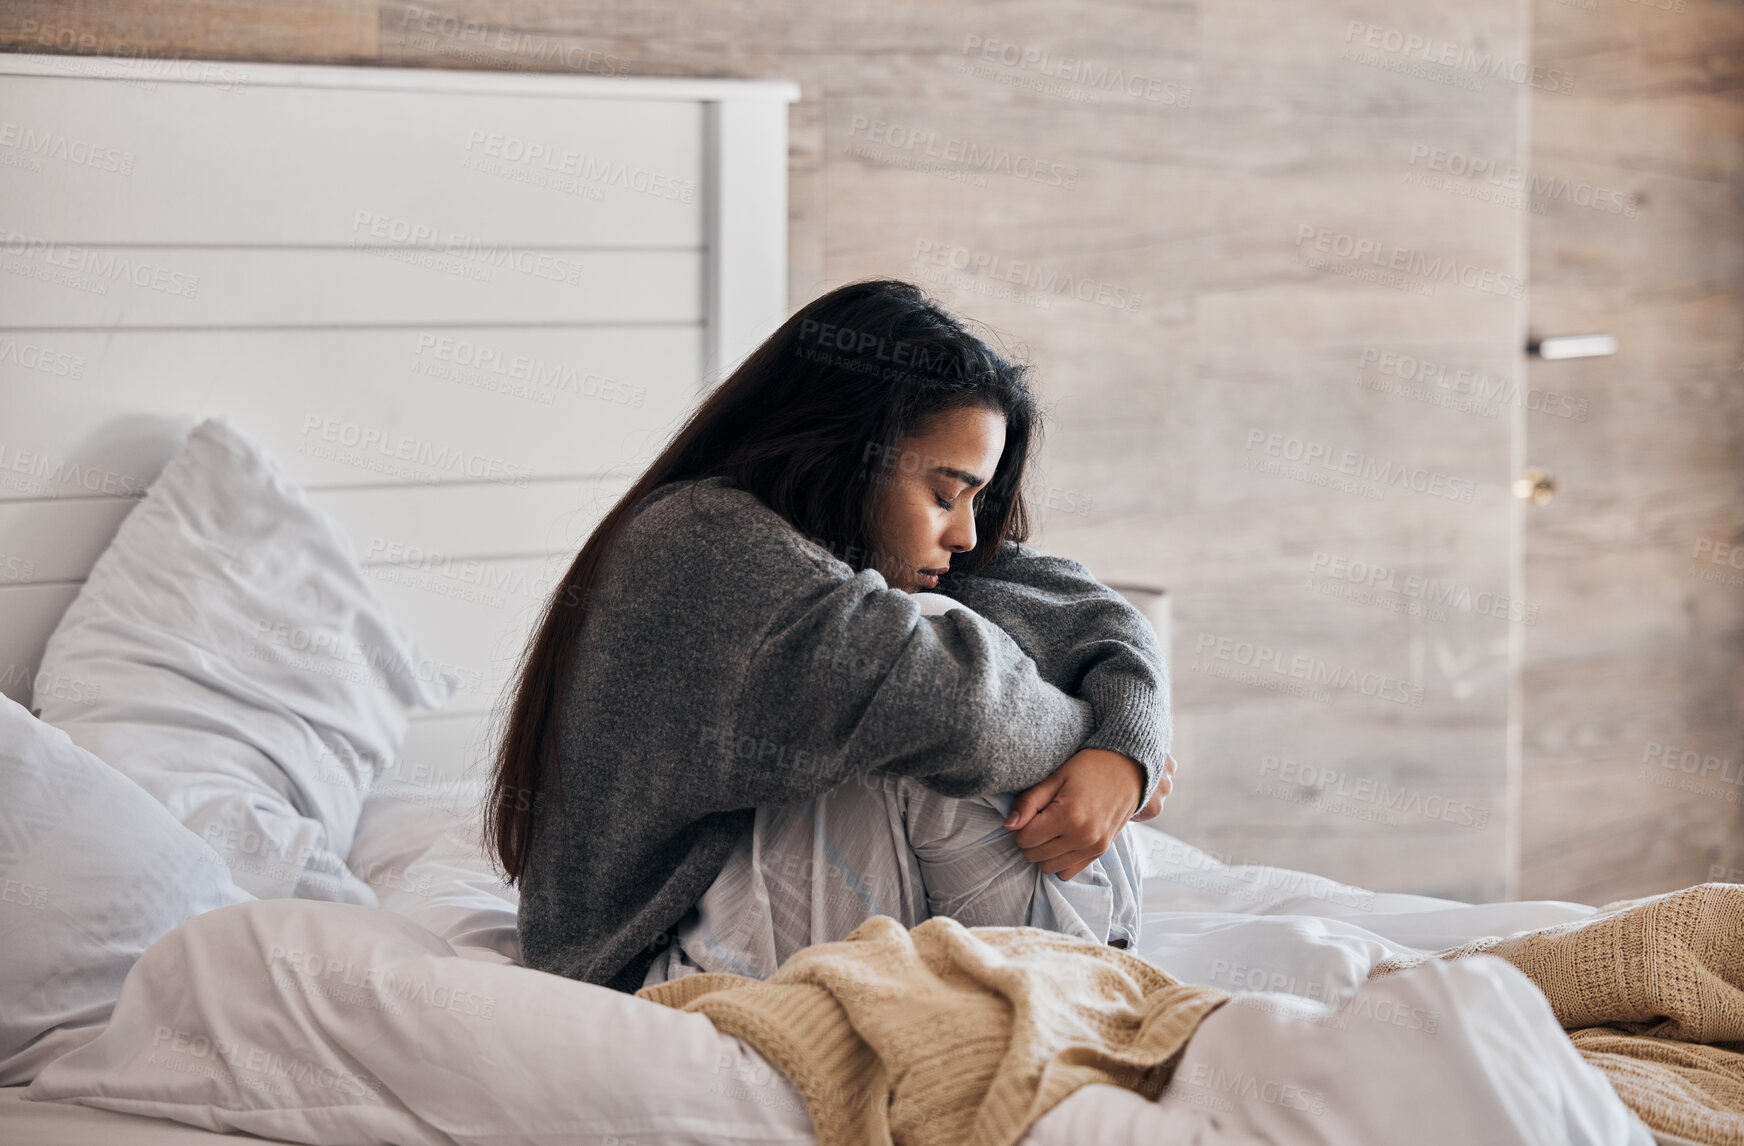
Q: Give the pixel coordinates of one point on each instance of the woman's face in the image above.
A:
(929, 507)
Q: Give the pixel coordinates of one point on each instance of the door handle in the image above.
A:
(1535, 486)
(1573, 346)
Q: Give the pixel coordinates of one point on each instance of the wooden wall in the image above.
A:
(1229, 238)
(1634, 673)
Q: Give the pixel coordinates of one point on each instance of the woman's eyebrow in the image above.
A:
(963, 476)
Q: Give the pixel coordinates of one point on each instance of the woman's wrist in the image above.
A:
(1153, 807)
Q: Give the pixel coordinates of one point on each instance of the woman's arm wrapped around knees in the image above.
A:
(847, 676)
(1090, 641)
(853, 679)
(1087, 640)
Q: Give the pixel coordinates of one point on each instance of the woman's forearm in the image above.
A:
(1085, 639)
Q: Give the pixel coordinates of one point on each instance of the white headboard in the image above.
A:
(463, 309)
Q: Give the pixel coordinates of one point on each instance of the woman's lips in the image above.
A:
(928, 580)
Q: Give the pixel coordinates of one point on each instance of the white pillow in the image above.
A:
(420, 848)
(247, 675)
(399, 823)
(92, 872)
(335, 1024)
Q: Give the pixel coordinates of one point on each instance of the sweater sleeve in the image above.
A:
(1085, 639)
(851, 678)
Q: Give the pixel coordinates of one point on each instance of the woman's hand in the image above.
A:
(1165, 785)
(1067, 821)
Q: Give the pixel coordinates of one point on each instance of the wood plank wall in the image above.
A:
(1245, 202)
(1634, 674)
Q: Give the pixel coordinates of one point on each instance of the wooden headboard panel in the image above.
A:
(463, 309)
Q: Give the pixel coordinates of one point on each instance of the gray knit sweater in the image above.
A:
(732, 662)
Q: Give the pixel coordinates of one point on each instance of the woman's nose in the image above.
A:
(960, 536)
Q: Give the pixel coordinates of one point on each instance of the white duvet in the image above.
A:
(335, 1023)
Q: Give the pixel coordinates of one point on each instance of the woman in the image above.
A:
(741, 633)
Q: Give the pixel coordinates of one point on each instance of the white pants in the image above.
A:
(882, 844)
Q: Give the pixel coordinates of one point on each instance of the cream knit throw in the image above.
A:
(946, 1035)
(1651, 991)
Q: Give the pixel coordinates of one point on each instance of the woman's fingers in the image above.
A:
(1056, 839)
(1050, 851)
(1071, 866)
(1032, 800)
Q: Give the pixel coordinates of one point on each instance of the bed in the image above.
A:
(383, 345)
(1312, 1053)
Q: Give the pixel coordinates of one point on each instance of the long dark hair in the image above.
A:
(811, 423)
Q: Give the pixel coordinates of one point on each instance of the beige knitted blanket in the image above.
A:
(946, 1035)
(1651, 991)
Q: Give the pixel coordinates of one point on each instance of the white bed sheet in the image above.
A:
(1492, 1066)
(1297, 1060)
(25, 1123)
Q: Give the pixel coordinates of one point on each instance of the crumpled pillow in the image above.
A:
(246, 675)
